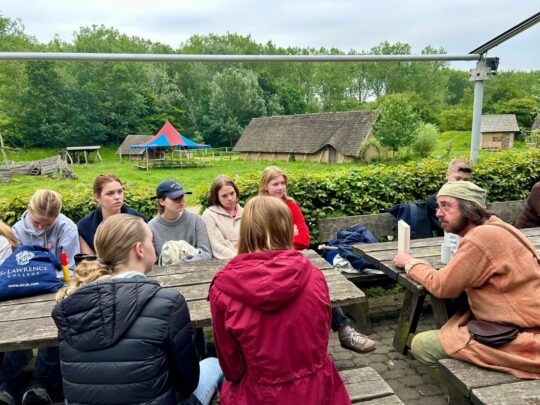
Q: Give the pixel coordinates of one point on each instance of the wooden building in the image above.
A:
(497, 131)
(324, 138)
(124, 151)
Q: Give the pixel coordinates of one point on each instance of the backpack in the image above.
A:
(29, 270)
(416, 215)
(175, 250)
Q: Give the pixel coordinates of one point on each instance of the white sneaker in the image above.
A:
(357, 342)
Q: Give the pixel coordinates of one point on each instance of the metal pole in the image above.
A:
(478, 75)
(126, 57)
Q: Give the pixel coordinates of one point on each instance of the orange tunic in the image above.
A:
(502, 280)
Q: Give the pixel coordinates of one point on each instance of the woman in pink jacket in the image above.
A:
(270, 351)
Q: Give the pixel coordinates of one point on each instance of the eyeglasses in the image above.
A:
(446, 207)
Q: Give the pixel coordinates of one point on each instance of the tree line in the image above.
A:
(54, 104)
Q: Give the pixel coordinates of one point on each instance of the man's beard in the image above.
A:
(457, 227)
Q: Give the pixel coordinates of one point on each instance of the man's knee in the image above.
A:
(426, 348)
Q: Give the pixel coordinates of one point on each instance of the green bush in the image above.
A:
(456, 118)
(506, 175)
(426, 139)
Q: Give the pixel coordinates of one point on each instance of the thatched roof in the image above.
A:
(308, 133)
(132, 140)
(499, 123)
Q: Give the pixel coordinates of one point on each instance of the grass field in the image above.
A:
(193, 179)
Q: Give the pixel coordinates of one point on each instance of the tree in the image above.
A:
(524, 108)
(426, 140)
(397, 123)
(456, 118)
(235, 98)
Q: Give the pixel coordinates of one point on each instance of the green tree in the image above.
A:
(427, 136)
(397, 123)
(235, 98)
(525, 109)
(457, 118)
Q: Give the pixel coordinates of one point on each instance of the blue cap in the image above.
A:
(170, 189)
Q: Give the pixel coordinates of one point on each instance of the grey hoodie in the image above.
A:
(63, 233)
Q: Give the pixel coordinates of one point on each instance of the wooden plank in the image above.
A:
(365, 384)
(378, 224)
(22, 334)
(523, 392)
(508, 211)
(466, 377)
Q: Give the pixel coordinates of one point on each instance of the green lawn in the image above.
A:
(194, 179)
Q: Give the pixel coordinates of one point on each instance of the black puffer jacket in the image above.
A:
(126, 341)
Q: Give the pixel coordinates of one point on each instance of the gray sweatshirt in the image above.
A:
(63, 233)
(189, 227)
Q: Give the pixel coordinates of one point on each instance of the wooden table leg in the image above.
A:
(440, 310)
(360, 314)
(408, 319)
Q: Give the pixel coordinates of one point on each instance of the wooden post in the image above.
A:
(6, 163)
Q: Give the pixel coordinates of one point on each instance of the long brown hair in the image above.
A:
(103, 179)
(269, 174)
(113, 240)
(266, 225)
(6, 232)
(217, 184)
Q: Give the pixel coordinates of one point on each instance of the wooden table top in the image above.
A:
(26, 322)
(382, 254)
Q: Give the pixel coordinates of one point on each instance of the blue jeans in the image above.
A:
(46, 370)
(210, 380)
(338, 319)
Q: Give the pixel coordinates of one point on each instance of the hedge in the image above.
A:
(506, 175)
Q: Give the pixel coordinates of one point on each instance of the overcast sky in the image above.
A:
(458, 26)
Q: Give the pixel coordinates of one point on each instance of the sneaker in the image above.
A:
(357, 342)
(36, 396)
(6, 398)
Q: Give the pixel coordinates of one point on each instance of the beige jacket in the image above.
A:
(223, 231)
(502, 280)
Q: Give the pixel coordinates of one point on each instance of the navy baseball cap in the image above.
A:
(170, 189)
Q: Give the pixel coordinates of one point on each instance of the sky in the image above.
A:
(458, 26)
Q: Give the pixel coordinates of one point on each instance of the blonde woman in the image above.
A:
(274, 183)
(123, 337)
(222, 217)
(8, 243)
(41, 224)
(109, 193)
(269, 350)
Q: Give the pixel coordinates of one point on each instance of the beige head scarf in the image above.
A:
(464, 190)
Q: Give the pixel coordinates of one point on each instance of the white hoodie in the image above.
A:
(63, 234)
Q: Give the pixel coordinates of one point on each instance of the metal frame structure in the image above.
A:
(480, 74)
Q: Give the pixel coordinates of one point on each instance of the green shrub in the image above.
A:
(456, 118)
(426, 139)
(506, 175)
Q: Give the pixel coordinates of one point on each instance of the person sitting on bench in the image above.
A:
(498, 269)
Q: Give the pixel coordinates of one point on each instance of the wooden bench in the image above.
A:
(471, 384)
(384, 225)
(366, 386)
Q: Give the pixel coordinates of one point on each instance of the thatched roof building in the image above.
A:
(498, 130)
(125, 151)
(325, 137)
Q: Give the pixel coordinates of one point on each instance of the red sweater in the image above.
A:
(301, 240)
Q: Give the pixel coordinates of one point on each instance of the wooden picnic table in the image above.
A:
(27, 323)
(76, 151)
(381, 256)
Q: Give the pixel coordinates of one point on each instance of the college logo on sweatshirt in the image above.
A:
(24, 257)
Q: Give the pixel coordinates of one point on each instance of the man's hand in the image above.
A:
(401, 259)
